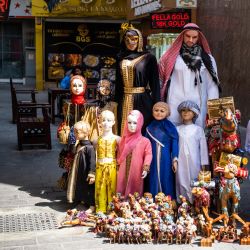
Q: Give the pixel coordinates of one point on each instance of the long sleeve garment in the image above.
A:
(141, 71)
(129, 179)
(182, 87)
(84, 164)
(193, 154)
(164, 140)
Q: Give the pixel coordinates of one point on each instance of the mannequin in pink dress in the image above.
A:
(134, 156)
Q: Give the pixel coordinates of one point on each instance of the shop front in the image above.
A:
(17, 52)
(161, 21)
(70, 34)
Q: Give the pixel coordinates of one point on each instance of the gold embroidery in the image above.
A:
(127, 67)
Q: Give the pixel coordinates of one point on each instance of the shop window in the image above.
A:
(159, 43)
(11, 50)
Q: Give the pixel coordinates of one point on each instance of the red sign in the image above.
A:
(4, 9)
(170, 20)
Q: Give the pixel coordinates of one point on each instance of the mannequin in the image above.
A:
(137, 82)
(134, 156)
(106, 147)
(82, 174)
(193, 153)
(103, 102)
(78, 85)
(164, 139)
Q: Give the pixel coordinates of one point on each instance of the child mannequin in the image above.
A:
(106, 147)
(164, 139)
(78, 87)
(82, 175)
(192, 149)
(134, 156)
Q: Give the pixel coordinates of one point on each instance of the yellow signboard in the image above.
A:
(79, 8)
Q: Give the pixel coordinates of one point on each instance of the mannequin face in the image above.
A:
(187, 115)
(190, 37)
(107, 121)
(104, 88)
(131, 41)
(81, 134)
(77, 87)
(132, 123)
(160, 113)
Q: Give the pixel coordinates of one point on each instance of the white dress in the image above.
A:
(193, 154)
(183, 88)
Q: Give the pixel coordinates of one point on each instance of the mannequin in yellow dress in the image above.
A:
(106, 168)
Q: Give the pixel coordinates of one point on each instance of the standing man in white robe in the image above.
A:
(188, 72)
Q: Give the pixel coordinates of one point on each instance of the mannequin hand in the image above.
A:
(90, 179)
(175, 166)
(144, 174)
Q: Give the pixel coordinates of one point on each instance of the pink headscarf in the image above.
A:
(168, 59)
(129, 139)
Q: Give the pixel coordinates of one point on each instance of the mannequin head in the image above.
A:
(189, 111)
(131, 40)
(81, 130)
(104, 87)
(161, 111)
(134, 121)
(77, 87)
(107, 120)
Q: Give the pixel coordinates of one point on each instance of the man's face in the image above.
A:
(191, 37)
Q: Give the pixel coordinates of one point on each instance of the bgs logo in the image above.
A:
(83, 34)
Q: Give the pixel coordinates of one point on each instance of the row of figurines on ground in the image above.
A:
(143, 219)
(167, 159)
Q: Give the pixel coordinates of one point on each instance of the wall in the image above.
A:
(226, 26)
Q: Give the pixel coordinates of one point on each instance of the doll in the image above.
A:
(94, 109)
(247, 141)
(106, 146)
(134, 156)
(164, 139)
(193, 151)
(78, 85)
(82, 175)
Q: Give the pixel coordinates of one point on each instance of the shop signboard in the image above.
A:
(79, 8)
(186, 3)
(20, 8)
(170, 20)
(4, 9)
(92, 46)
(142, 7)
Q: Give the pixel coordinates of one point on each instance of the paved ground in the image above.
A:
(28, 188)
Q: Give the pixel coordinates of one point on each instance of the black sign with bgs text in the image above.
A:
(90, 46)
(170, 20)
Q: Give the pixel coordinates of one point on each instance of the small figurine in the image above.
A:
(106, 146)
(164, 139)
(193, 151)
(82, 174)
(134, 156)
(78, 85)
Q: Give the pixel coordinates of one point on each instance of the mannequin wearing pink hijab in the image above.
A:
(186, 74)
(134, 156)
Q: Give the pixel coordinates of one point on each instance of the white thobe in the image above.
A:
(193, 154)
(183, 88)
